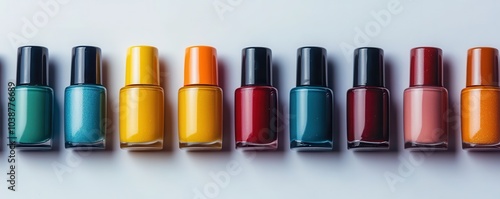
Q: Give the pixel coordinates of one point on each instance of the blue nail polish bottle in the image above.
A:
(85, 101)
(311, 102)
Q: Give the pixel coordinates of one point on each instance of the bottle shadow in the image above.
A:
(283, 118)
(57, 109)
(453, 114)
(169, 131)
(111, 119)
(339, 138)
(395, 116)
(2, 101)
(228, 142)
(483, 153)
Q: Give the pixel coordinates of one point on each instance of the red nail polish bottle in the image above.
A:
(368, 102)
(256, 103)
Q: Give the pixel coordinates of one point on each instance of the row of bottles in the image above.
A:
(200, 106)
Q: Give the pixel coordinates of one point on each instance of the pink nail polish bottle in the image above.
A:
(426, 102)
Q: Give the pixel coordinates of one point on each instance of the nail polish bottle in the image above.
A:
(368, 102)
(142, 101)
(256, 118)
(85, 101)
(480, 101)
(426, 102)
(34, 99)
(311, 102)
(200, 101)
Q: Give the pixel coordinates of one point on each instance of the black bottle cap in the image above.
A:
(256, 67)
(86, 65)
(311, 66)
(369, 67)
(32, 66)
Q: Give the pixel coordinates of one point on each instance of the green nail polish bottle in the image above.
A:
(34, 100)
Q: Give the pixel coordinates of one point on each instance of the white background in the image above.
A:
(283, 26)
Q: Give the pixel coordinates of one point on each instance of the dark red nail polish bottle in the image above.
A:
(368, 102)
(256, 102)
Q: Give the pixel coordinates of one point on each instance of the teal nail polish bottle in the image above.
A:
(34, 100)
(311, 103)
(85, 101)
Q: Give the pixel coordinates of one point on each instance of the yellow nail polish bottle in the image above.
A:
(200, 101)
(141, 101)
